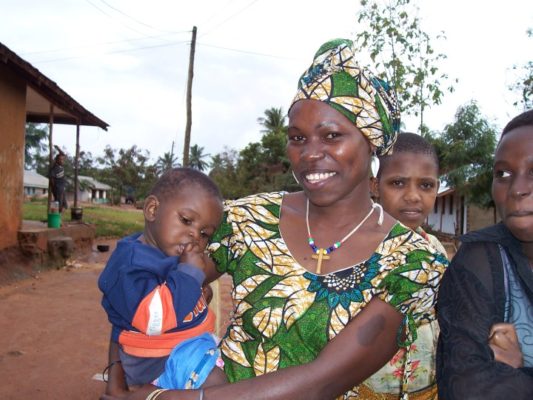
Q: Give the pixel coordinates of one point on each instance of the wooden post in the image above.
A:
(50, 155)
(76, 165)
(187, 142)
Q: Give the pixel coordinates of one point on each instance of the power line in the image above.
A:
(252, 53)
(126, 15)
(145, 37)
(230, 17)
(101, 44)
(204, 22)
(113, 18)
(246, 52)
(116, 51)
(133, 19)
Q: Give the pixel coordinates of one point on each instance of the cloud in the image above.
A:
(127, 61)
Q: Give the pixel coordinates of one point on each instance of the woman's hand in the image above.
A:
(504, 343)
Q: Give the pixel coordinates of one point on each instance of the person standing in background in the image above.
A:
(57, 181)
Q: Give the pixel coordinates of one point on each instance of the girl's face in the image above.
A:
(407, 187)
(328, 153)
(512, 183)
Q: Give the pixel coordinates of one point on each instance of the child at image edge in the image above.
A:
(407, 183)
(152, 287)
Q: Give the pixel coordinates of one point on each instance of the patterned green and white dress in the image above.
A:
(284, 315)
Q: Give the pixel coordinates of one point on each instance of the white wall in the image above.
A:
(440, 219)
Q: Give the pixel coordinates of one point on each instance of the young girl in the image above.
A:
(486, 296)
(407, 183)
(406, 186)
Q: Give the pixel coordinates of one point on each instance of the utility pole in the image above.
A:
(172, 155)
(187, 143)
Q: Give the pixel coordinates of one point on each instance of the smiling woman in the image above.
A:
(319, 317)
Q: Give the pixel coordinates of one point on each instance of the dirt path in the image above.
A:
(54, 333)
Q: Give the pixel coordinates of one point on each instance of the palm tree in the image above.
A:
(168, 161)
(274, 138)
(273, 121)
(196, 158)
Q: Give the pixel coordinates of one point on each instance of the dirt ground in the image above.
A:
(54, 333)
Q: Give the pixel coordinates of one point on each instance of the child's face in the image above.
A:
(512, 182)
(191, 216)
(407, 187)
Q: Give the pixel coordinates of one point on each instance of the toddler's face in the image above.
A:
(408, 186)
(512, 183)
(191, 216)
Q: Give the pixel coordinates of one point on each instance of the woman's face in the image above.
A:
(512, 183)
(328, 153)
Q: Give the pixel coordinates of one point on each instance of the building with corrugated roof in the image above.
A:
(35, 185)
(27, 95)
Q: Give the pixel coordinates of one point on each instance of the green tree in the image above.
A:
(273, 121)
(35, 145)
(263, 166)
(127, 171)
(224, 173)
(274, 140)
(197, 158)
(396, 42)
(86, 165)
(466, 149)
(524, 85)
(168, 161)
(250, 168)
(260, 166)
(40, 163)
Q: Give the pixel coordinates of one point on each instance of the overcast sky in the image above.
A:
(126, 61)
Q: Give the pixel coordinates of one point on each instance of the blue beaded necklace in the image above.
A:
(322, 254)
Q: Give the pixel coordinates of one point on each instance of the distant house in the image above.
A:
(453, 216)
(35, 185)
(90, 190)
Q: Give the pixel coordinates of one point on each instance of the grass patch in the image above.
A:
(109, 222)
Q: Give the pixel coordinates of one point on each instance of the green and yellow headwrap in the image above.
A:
(336, 78)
